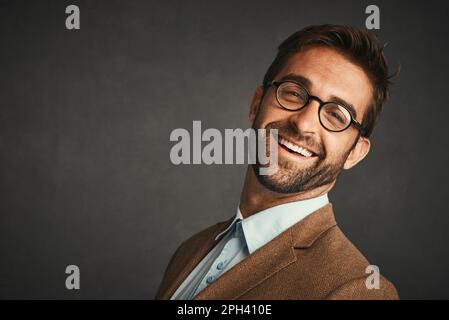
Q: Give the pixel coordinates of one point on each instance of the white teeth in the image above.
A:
(302, 151)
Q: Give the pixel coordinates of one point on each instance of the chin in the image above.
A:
(280, 182)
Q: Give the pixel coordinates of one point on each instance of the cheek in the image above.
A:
(269, 113)
(336, 146)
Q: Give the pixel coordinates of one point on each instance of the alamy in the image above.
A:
(212, 153)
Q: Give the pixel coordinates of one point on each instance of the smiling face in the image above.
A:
(309, 156)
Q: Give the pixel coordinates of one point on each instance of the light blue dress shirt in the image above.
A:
(242, 238)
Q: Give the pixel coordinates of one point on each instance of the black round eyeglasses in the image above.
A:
(333, 116)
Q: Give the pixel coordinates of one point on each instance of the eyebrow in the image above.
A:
(308, 84)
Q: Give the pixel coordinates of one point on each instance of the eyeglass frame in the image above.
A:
(353, 121)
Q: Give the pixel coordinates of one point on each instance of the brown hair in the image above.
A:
(357, 44)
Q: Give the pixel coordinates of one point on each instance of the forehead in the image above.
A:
(330, 74)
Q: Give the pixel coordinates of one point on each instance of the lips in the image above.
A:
(295, 148)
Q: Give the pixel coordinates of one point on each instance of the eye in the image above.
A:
(294, 93)
(337, 116)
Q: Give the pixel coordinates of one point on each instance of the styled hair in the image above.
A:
(358, 45)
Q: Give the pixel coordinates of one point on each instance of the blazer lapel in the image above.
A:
(256, 268)
(271, 258)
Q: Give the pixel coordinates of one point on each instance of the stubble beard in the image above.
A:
(296, 176)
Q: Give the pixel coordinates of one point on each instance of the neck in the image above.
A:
(255, 197)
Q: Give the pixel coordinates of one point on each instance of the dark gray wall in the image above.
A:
(85, 174)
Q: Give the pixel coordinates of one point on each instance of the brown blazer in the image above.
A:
(311, 260)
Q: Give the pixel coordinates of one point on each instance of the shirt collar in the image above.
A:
(237, 218)
(263, 226)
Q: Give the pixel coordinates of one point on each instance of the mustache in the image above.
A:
(290, 132)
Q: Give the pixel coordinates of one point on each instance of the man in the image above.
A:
(323, 93)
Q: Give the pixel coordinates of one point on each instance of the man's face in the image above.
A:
(331, 77)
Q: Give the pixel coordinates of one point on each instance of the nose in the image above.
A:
(306, 119)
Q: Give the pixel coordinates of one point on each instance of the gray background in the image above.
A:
(85, 174)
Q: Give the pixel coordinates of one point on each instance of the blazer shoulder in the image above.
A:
(358, 289)
(198, 238)
(349, 266)
(183, 254)
(192, 241)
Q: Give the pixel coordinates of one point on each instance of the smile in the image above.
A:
(296, 148)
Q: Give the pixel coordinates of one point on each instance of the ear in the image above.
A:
(255, 103)
(357, 153)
